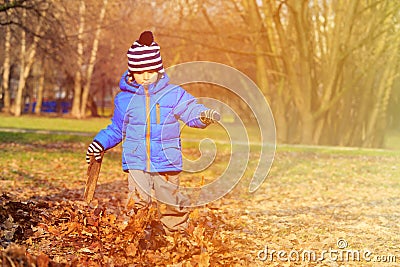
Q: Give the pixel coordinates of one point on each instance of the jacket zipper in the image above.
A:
(148, 125)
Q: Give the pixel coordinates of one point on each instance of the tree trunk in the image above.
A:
(22, 78)
(76, 103)
(6, 72)
(26, 61)
(280, 116)
(377, 120)
(93, 106)
(40, 91)
(92, 60)
(257, 31)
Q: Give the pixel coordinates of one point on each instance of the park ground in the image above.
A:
(340, 204)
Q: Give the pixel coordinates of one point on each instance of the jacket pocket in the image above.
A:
(158, 113)
(131, 148)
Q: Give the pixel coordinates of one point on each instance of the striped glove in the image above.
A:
(95, 149)
(209, 116)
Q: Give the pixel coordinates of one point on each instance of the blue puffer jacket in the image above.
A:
(151, 143)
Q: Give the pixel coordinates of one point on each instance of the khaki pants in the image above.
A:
(170, 203)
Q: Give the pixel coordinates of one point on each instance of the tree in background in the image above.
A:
(81, 92)
(29, 26)
(26, 59)
(332, 67)
(328, 68)
(5, 86)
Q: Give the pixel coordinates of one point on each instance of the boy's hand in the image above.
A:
(94, 149)
(209, 116)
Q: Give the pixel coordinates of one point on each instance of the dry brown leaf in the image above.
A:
(131, 250)
(203, 259)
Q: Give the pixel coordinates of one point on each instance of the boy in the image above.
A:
(146, 117)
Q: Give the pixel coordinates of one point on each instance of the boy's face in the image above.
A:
(146, 77)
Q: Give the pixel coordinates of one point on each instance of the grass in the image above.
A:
(93, 125)
(53, 123)
(338, 150)
(27, 138)
(214, 132)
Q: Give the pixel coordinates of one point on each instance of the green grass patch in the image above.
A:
(331, 150)
(190, 136)
(29, 138)
(53, 123)
(214, 132)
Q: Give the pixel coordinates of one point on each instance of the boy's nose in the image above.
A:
(146, 75)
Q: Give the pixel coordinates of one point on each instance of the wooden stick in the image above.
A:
(92, 175)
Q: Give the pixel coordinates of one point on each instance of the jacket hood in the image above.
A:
(134, 87)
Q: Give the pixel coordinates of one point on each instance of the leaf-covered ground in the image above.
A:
(313, 201)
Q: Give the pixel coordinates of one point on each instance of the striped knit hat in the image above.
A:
(144, 54)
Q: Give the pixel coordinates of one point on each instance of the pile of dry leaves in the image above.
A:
(69, 232)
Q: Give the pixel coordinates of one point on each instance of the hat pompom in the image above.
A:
(146, 38)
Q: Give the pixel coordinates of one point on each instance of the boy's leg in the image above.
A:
(140, 185)
(173, 217)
